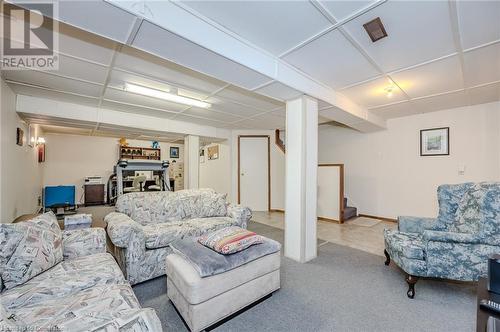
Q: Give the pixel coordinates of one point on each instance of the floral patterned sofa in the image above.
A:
(147, 222)
(84, 291)
(455, 245)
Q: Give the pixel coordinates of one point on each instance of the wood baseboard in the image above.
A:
(277, 210)
(330, 220)
(377, 217)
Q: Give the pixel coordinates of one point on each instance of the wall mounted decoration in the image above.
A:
(202, 155)
(41, 153)
(31, 136)
(155, 145)
(19, 137)
(435, 142)
(174, 152)
(213, 152)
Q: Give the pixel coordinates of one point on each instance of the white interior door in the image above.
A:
(254, 185)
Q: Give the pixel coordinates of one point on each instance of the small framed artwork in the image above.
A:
(174, 152)
(435, 142)
(213, 152)
(41, 153)
(202, 155)
(31, 136)
(19, 137)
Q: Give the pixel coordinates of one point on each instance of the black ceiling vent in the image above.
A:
(375, 29)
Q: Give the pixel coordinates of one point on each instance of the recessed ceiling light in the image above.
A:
(165, 95)
(375, 29)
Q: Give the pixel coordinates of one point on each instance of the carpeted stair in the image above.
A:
(349, 211)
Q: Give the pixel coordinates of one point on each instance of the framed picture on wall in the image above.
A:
(20, 137)
(174, 152)
(213, 152)
(435, 142)
(202, 155)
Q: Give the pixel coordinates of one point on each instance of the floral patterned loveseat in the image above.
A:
(455, 245)
(145, 223)
(84, 290)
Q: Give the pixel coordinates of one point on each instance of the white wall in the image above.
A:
(21, 174)
(216, 174)
(385, 174)
(277, 168)
(70, 158)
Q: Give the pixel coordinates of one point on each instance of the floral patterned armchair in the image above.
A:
(455, 245)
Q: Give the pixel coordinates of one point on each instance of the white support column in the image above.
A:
(301, 178)
(191, 161)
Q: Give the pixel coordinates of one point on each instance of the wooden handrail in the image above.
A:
(278, 141)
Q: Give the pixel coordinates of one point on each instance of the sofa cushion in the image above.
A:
(408, 245)
(212, 205)
(39, 249)
(66, 278)
(161, 235)
(449, 198)
(230, 240)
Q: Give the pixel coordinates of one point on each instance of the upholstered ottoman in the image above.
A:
(203, 301)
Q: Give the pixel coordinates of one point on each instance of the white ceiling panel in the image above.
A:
(186, 53)
(484, 94)
(479, 22)
(154, 67)
(435, 77)
(96, 16)
(212, 115)
(342, 9)
(65, 130)
(85, 45)
(84, 70)
(44, 79)
(373, 93)
(36, 92)
(136, 109)
(338, 115)
(279, 91)
(418, 31)
(396, 110)
(248, 98)
(223, 105)
(441, 102)
(265, 122)
(136, 99)
(482, 65)
(332, 60)
(200, 121)
(275, 26)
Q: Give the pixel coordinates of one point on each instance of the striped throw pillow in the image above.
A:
(230, 240)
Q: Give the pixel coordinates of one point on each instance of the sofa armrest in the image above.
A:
(121, 229)
(451, 237)
(241, 214)
(415, 224)
(83, 242)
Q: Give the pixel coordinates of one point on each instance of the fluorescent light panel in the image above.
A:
(142, 90)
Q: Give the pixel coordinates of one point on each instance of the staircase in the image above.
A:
(349, 211)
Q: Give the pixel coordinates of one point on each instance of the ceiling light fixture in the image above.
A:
(165, 95)
(389, 90)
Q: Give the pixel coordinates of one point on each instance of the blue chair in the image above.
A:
(455, 245)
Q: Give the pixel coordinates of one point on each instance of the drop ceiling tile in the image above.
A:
(136, 109)
(433, 78)
(279, 91)
(332, 60)
(484, 94)
(212, 115)
(140, 62)
(65, 130)
(396, 110)
(186, 53)
(338, 115)
(343, 9)
(265, 121)
(275, 26)
(373, 93)
(85, 45)
(72, 67)
(482, 65)
(226, 106)
(95, 16)
(418, 31)
(64, 97)
(245, 97)
(115, 94)
(45, 79)
(323, 104)
(441, 102)
(479, 22)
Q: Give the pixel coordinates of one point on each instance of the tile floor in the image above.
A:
(350, 234)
